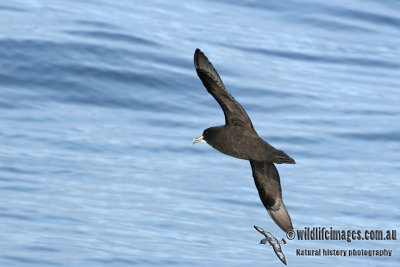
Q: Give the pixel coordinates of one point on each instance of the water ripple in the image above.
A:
(12, 8)
(330, 24)
(112, 36)
(27, 260)
(297, 56)
(393, 136)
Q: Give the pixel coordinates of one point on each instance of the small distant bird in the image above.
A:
(274, 242)
(238, 138)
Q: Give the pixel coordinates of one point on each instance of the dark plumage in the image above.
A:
(238, 138)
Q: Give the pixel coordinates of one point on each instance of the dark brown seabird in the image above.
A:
(238, 138)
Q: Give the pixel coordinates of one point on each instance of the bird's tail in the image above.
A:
(281, 157)
(280, 215)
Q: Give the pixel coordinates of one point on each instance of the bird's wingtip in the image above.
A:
(197, 52)
(196, 57)
(200, 60)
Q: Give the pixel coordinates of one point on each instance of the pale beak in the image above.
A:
(198, 139)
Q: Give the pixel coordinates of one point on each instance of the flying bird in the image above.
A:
(274, 242)
(238, 138)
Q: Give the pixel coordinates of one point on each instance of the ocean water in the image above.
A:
(99, 103)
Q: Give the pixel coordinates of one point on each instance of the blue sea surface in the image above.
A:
(100, 101)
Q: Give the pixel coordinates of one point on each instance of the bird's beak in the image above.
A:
(198, 139)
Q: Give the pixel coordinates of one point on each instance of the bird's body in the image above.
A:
(243, 143)
(238, 138)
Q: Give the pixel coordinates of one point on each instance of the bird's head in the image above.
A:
(263, 241)
(208, 135)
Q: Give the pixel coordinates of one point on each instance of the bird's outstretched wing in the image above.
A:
(233, 111)
(266, 178)
(279, 253)
(260, 230)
